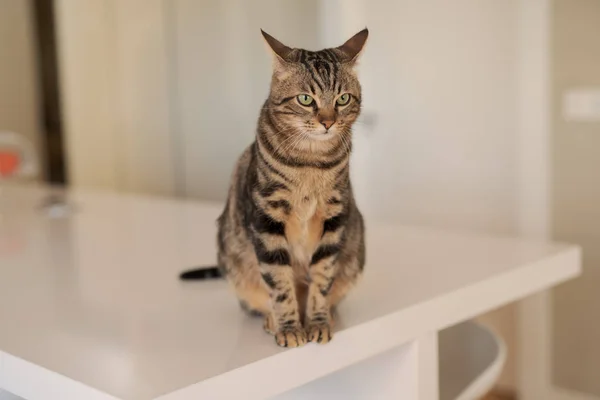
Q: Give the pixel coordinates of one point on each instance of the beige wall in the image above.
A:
(576, 196)
(19, 99)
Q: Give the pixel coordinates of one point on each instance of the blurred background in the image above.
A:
(479, 115)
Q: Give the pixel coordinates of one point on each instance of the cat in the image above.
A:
(291, 238)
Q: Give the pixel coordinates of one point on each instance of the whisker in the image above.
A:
(302, 135)
(363, 123)
(286, 140)
(293, 144)
(345, 142)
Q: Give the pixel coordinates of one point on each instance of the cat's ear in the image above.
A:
(354, 46)
(280, 50)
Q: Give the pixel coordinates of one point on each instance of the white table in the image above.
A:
(91, 308)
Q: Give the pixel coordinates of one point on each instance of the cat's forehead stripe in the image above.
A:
(322, 67)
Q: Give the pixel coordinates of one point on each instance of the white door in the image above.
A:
(456, 97)
(440, 91)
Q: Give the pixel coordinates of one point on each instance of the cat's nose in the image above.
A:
(327, 123)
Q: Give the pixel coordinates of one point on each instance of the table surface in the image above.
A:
(91, 302)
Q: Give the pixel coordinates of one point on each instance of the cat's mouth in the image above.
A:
(321, 136)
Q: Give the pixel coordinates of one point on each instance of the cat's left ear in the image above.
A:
(354, 46)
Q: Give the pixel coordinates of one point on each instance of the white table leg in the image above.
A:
(428, 366)
(408, 372)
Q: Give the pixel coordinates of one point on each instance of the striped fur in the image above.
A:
(291, 239)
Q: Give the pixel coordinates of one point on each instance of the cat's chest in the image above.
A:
(304, 226)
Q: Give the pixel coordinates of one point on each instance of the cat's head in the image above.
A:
(316, 93)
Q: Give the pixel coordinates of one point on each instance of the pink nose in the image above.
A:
(327, 123)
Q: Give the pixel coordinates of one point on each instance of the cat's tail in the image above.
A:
(201, 274)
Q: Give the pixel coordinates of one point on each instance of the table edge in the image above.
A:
(263, 379)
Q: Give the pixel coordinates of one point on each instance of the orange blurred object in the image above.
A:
(9, 162)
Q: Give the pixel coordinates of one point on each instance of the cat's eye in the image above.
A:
(305, 99)
(343, 99)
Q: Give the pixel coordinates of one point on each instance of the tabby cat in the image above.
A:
(291, 239)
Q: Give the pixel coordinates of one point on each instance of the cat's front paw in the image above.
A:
(269, 325)
(319, 333)
(291, 337)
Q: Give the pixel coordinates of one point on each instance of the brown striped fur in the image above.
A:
(291, 239)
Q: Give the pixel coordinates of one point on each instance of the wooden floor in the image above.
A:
(7, 396)
(498, 396)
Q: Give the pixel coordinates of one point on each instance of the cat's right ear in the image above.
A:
(280, 51)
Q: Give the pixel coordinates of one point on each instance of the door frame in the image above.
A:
(54, 149)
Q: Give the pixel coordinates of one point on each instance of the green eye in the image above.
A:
(343, 99)
(305, 99)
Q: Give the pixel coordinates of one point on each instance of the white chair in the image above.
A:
(471, 359)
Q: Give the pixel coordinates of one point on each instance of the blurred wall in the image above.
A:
(221, 71)
(576, 196)
(161, 96)
(19, 98)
